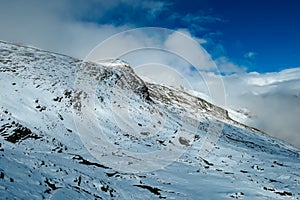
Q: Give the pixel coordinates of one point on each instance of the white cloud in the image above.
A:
(227, 67)
(155, 45)
(250, 55)
(41, 24)
(58, 26)
(184, 45)
(272, 98)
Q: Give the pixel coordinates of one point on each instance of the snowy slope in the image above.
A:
(43, 153)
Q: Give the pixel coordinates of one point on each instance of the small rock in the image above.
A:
(184, 141)
(1, 175)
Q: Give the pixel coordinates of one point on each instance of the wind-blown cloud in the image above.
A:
(68, 27)
(227, 67)
(272, 100)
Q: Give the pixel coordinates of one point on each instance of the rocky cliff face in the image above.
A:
(76, 130)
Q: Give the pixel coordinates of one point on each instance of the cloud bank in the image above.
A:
(273, 100)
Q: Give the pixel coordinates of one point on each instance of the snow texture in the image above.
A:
(43, 155)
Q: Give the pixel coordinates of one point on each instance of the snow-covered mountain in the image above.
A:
(48, 147)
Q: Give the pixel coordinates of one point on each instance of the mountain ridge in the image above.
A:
(145, 83)
(43, 154)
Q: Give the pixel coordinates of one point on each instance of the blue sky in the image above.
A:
(269, 29)
(261, 35)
